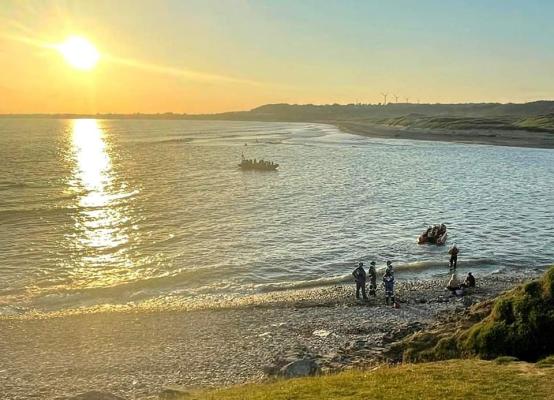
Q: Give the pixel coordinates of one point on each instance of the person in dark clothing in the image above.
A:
(372, 275)
(360, 278)
(470, 281)
(388, 281)
(453, 257)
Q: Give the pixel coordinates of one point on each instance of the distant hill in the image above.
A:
(533, 116)
(338, 112)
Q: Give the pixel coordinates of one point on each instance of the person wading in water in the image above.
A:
(453, 256)
(360, 278)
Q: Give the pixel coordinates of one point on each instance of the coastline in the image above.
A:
(137, 354)
(510, 138)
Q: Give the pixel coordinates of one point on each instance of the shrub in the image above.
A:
(520, 325)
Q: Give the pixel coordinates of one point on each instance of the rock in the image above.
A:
(402, 331)
(355, 345)
(174, 392)
(95, 395)
(304, 367)
(321, 333)
(467, 301)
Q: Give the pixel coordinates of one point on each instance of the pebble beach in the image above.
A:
(136, 354)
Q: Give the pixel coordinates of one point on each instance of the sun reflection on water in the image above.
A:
(99, 220)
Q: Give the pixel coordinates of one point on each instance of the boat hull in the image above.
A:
(258, 168)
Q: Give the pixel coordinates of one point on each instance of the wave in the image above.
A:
(10, 185)
(166, 141)
(417, 266)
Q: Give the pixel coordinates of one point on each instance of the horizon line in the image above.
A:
(176, 113)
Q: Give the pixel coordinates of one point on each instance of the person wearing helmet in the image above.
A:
(372, 275)
(360, 278)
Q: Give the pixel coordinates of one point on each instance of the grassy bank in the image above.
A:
(518, 323)
(538, 123)
(457, 379)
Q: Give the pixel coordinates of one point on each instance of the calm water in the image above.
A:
(111, 212)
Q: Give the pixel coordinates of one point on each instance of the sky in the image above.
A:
(224, 55)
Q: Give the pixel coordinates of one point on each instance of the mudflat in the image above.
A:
(513, 138)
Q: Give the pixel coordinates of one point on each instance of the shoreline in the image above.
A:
(137, 354)
(506, 138)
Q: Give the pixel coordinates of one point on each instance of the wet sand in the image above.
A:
(136, 354)
(514, 138)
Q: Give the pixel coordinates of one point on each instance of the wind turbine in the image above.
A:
(407, 99)
(395, 98)
(385, 98)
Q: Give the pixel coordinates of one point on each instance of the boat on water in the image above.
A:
(434, 235)
(257, 165)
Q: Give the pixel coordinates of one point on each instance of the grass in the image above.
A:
(519, 324)
(455, 379)
(547, 362)
(539, 123)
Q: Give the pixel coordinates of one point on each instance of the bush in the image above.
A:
(519, 325)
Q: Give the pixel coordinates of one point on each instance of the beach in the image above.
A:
(137, 353)
(512, 138)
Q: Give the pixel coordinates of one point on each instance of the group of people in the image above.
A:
(435, 231)
(253, 163)
(361, 277)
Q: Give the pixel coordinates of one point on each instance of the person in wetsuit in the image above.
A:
(453, 256)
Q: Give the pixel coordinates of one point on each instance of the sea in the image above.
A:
(109, 213)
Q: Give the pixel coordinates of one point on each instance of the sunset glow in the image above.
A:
(79, 53)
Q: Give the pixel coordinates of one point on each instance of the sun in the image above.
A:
(79, 53)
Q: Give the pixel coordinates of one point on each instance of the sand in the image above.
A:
(476, 136)
(135, 354)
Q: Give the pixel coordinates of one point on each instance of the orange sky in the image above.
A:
(210, 56)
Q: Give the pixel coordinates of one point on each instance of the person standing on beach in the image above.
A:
(470, 281)
(372, 275)
(388, 280)
(360, 278)
(453, 256)
(389, 268)
(453, 284)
